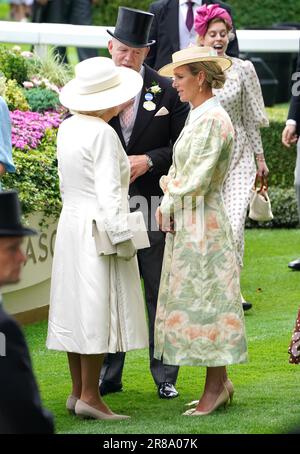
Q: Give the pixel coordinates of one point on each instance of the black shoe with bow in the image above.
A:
(246, 306)
(167, 390)
(295, 265)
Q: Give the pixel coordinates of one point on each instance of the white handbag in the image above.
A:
(138, 229)
(260, 204)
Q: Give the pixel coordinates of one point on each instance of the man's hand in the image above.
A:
(138, 166)
(289, 136)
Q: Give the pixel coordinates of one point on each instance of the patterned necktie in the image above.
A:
(126, 116)
(189, 22)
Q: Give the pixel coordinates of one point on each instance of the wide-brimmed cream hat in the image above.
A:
(99, 84)
(194, 54)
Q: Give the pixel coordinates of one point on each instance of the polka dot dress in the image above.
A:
(241, 97)
(294, 348)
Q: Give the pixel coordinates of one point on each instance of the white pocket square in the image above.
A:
(162, 111)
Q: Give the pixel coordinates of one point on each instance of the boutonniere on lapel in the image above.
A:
(150, 96)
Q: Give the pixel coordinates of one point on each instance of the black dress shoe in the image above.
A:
(246, 306)
(167, 390)
(295, 265)
(108, 387)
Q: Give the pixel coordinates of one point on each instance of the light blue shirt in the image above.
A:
(5, 138)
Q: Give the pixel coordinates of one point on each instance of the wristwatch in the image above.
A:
(149, 163)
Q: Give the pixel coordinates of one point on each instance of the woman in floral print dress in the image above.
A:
(199, 319)
(242, 99)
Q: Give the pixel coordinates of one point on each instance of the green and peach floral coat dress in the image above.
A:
(199, 319)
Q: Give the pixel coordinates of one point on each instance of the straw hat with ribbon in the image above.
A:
(194, 54)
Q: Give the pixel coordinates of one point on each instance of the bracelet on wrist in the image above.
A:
(260, 158)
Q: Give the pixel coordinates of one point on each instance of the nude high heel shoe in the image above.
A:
(222, 399)
(229, 386)
(70, 404)
(84, 410)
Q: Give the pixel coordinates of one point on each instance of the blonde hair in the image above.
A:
(214, 76)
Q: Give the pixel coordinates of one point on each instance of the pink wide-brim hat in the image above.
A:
(206, 13)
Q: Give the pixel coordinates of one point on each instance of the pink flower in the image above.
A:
(27, 84)
(28, 128)
(27, 54)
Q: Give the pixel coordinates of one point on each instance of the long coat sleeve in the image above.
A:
(294, 110)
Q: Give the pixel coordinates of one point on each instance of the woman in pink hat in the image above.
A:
(242, 98)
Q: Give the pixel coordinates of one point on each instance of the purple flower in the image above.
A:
(28, 128)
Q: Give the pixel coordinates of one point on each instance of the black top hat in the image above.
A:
(10, 216)
(133, 27)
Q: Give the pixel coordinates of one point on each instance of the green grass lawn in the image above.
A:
(266, 396)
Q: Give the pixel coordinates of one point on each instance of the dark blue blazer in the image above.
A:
(294, 110)
(21, 411)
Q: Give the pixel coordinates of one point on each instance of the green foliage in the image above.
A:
(284, 209)
(246, 13)
(50, 68)
(2, 84)
(36, 177)
(13, 65)
(281, 160)
(106, 11)
(41, 99)
(268, 12)
(14, 96)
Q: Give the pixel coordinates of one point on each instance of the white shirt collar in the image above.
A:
(200, 110)
(198, 2)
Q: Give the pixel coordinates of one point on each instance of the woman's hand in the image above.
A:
(126, 250)
(262, 168)
(165, 224)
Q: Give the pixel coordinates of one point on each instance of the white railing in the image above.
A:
(41, 35)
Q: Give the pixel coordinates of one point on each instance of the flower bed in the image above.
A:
(30, 86)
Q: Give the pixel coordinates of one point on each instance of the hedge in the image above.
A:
(246, 13)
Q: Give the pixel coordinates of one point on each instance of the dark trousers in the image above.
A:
(76, 12)
(150, 263)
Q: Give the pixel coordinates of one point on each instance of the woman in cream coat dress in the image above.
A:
(96, 302)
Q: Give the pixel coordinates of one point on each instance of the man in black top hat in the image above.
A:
(172, 31)
(147, 128)
(21, 410)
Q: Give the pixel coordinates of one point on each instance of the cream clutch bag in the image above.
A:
(136, 225)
